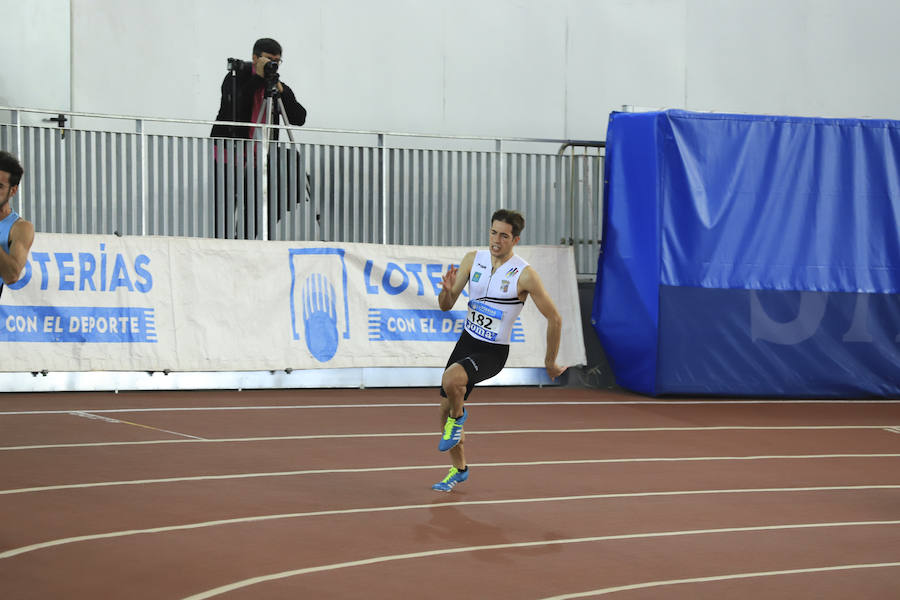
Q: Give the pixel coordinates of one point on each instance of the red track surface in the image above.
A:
(573, 493)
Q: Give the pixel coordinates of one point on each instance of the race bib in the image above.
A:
(483, 321)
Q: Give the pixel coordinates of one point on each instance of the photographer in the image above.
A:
(244, 92)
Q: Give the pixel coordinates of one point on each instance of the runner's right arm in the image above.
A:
(455, 279)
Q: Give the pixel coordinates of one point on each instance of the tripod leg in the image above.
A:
(264, 112)
(283, 114)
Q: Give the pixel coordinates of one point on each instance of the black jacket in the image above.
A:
(246, 85)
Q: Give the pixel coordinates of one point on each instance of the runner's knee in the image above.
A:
(455, 378)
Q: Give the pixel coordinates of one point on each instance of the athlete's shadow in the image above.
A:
(449, 523)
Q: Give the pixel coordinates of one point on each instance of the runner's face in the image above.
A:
(6, 192)
(502, 240)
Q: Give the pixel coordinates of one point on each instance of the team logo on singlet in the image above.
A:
(476, 276)
(504, 286)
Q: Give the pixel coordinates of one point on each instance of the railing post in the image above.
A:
(382, 170)
(18, 127)
(145, 171)
(498, 146)
(17, 124)
(572, 196)
(263, 173)
(18, 150)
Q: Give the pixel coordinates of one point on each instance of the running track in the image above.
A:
(326, 494)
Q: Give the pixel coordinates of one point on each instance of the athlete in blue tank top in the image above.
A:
(16, 234)
(499, 283)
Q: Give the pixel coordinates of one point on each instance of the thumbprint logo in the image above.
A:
(320, 317)
(320, 305)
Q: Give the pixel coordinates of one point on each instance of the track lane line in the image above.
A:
(446, 551)
(650, 584)
(334, 436)
(436, 403)
(74, 486)
(87, 415)
(349, 511)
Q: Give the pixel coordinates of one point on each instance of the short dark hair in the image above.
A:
(266, 45)
(10, 164)
(510, 217)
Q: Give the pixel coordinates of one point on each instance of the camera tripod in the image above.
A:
(263, 132)
(272, 95)
(272, 100)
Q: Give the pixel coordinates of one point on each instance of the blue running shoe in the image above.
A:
(452, 431)
(453, 477)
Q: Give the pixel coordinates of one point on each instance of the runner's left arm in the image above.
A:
(21, 236)
(531, 282)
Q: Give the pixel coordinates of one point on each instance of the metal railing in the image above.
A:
(329, 185)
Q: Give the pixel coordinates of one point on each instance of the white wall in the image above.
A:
(806, 57)
(522, 68)
(34, 45)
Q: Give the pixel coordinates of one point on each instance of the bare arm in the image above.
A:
(21, 236)
(455, 279)
(531, 283)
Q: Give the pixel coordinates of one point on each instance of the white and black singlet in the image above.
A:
(5, 228)
(494, 305)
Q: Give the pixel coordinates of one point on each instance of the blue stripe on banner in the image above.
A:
(518, 332)
(85, 324)
(424, 325)
(375, 325)
(415, 325)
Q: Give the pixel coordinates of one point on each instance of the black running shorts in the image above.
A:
(481, 360)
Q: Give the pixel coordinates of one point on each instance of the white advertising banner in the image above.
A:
(105, 303)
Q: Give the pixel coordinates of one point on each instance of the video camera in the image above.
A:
(270, 70)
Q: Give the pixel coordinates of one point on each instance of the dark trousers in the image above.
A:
(236, 176)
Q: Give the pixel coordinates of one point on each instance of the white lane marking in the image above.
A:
(649, 584)
(445, 551)
(893, 429)
(586, 461)
(323, 436)
(350, 511)
(436, 403)
(87, 415)
(334, 436)
(234, 408)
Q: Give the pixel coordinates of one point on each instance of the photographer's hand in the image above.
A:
(259, 67)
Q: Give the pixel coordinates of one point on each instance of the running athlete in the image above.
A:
(16, 234)
(499, 282)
